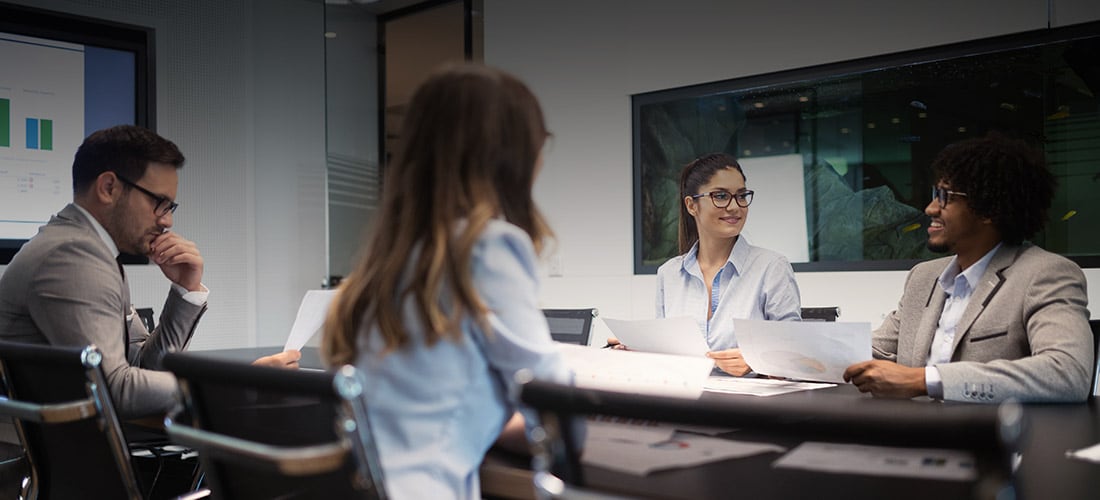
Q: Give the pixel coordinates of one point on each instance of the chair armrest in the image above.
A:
(291, 461)
(49, 414)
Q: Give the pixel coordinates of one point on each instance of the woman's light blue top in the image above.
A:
(754, 283)
(436, 410)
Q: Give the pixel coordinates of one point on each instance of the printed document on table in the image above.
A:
(310, 319)
(758, 386)
(666, 335)
(923, 463)
(642, 456)
(636, 372)
(803, 350)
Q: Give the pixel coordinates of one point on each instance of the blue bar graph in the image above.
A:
(32, 133)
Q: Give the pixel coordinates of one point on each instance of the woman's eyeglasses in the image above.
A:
(722, 199)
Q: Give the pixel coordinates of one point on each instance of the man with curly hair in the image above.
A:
(999, 319)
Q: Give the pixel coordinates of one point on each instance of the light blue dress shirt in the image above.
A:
(754, 283)
(436, 410)
(958, 286)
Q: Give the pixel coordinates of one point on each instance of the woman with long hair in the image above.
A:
(442, 310)
(719, 276)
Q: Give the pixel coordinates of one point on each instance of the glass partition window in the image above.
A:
(851, 144)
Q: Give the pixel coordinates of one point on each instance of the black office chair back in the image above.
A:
(271, 433)
(820, 313)
(64, 416)
(571, 326)
(991, 433)
(147, 319)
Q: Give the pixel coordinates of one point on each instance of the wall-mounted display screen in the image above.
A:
(63, 78)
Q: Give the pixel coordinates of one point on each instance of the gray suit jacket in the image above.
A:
(1024, 334)
(64, 288)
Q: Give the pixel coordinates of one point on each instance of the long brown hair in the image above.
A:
(469, 148)
(692, 178)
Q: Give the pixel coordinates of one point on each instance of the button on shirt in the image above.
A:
(754, 283)
(958, 286)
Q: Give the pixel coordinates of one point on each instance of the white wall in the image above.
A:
(240, 88)
(584, 59)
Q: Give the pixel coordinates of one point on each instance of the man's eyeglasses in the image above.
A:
(163, 206)
(722, 199)
(944, 195)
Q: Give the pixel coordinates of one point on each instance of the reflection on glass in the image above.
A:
(867, 132)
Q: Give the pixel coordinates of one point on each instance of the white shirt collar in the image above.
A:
(972, 274)
(99, 230)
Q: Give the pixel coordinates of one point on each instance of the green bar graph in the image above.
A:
(5, 123)
(46, 136)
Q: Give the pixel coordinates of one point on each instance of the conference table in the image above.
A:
(1042, 468)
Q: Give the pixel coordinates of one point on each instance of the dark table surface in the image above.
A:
(1044, 470)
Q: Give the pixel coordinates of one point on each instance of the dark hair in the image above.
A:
(1005, 180)
(469, 148)
(125, 149)
(692, 178)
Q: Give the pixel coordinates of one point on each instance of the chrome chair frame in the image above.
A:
(354, 441)
(97, 406)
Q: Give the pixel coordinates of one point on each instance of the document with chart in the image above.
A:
(818, 351)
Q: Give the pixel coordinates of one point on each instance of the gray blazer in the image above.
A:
(65, 288)
(1024, 334)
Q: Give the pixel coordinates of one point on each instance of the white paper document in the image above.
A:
(1090, 454)
(642, 456)
(624, 429)
(637, 372)
(803, 350)
(923, 463)
(759, 386)
(666, 335)
(310, 319)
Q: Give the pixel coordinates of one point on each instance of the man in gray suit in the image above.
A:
(65, 286)
(1001, 318)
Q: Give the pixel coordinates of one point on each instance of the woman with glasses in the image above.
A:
(720, 276)
(441, 311)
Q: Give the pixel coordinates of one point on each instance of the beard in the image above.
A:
(128, 238)
(938, 247)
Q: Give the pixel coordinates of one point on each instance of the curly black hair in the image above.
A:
(1005, 179)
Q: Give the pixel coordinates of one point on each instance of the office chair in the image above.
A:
(146, 315)
(13, 469)
(67, 423)
(571, 326)
(990, 433)
(820, 313)
(264, 432)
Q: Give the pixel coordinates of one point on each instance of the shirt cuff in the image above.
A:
(198, 297)
(933, 382)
